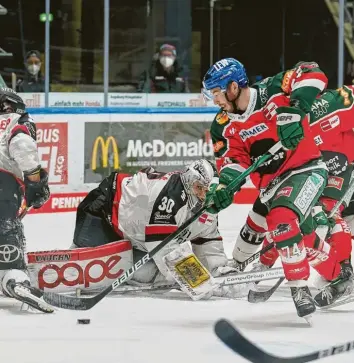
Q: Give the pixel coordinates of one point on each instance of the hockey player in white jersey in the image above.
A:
(139, 211)
(21, 176)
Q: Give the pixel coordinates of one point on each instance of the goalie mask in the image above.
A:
(196, 179)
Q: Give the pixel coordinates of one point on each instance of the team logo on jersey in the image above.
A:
(253, 131)
(218, 146)
(222, 118)
(284, 192)
(285, 86)
(270, 111)
(205, 218)
(330, 123)
(335, 182)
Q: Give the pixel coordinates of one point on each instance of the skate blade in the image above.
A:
(346, 298)
(309, 320)
(26, 293)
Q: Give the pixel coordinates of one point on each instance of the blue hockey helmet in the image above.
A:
(222, 73)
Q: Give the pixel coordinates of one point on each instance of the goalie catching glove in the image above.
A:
(289, 126)
(218, 193)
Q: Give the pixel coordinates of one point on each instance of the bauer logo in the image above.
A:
(106, 158)
(52, 142)
(253, 131)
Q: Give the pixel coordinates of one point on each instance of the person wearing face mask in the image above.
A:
(164, 75)
(33, 80)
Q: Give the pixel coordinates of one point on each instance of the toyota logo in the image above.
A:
(9, 253)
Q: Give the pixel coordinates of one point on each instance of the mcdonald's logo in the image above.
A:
(105, 152)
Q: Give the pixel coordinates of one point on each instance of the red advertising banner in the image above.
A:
(68, 202)
(61, 202)
(52, 141)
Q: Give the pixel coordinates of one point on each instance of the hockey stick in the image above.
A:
(78, 303)
(221, 279)
(255, 296)
(245, 348)
(229, 279)
(262, 296)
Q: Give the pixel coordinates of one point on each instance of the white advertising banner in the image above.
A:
(96, 99)
(33, 100)
(63, 99)
(127, 100)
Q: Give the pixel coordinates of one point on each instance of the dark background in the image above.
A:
(249, 30)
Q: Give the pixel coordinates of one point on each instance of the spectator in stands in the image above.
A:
(164, 75)
(33, 80)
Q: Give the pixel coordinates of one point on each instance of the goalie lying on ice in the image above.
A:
(126, 216)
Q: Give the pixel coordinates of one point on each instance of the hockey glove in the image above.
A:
(289, 126)
(321, 219)
(218, 193)
(37, 193)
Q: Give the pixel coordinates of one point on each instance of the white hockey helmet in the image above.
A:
(196, 178)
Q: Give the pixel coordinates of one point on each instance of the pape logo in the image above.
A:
(52, 141)
(95, 271)
(105, 144)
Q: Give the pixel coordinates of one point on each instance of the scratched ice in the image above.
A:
(146, 329)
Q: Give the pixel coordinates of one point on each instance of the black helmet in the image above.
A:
(11, 102)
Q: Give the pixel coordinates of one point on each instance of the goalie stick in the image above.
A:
(79, 303)
(225, 280)
(245, 348)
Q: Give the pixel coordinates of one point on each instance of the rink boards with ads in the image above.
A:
(79, 147)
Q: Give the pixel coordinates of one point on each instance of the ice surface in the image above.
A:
(144, 330)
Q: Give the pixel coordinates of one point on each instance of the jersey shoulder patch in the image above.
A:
(28, 126)
(217, 128)
(222, 118)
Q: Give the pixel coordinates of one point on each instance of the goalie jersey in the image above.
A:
(150, 205)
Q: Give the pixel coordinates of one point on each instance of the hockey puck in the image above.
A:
(83, 321)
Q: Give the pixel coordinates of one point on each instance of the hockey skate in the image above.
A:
(303, 301)
(337, 290)
(29, 295)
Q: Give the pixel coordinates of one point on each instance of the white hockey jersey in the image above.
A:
(151, 205)
(18, 148)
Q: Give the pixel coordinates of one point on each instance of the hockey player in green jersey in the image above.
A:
(250, 122)
(331, 123)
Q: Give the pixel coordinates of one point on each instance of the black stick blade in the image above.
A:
(64, 301)
(239, 344)
(256, 297)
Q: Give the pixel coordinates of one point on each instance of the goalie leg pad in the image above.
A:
(83, 268)
(193, 278)
(212, 255)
